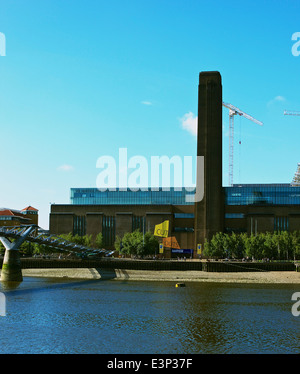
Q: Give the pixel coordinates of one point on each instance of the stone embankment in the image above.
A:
(162, 270)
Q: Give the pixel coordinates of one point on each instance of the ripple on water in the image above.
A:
(148, 317)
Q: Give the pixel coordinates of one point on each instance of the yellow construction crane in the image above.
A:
(233, 111)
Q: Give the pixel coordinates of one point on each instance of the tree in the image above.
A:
(42, 248)
(118, 244)
(27, 248)
(285, 245)
(132, 243)
(87, 240)
(99, 240)
(254, 245)
(215, 248)
(68, 237)
(278, 245)
(296, 244)
(269, 249)
(135, 244)
(151, 244)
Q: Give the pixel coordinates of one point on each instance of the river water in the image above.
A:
(117, 317)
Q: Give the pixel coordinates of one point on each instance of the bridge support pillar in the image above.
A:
(11, 268)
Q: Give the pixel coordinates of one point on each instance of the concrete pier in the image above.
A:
(11, 267)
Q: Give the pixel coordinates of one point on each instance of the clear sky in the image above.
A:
(81, 79)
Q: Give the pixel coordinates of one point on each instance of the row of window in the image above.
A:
(281, 194)
(183, 229)
(281, 223)
(184, 215)
(79, 225)
(138, 223)
(109, 230)
(234, 215)
(93, 196)
(109, 227)
(262, 195)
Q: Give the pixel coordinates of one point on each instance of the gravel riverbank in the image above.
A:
(280, 277)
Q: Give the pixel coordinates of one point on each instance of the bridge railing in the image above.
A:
(49, 240)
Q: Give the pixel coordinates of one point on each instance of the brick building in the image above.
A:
(13, 217)
(238, 208)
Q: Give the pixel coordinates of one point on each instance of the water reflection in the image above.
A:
(78, 316)
(8, 285)
(244, 319)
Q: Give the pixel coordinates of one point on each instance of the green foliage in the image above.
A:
(27, 248)
(2, 249)
(216, 248)
(135, 244)
(277, 246)
(99, 241)
(151, 244)
(30, 248)
(86, 240)
(118, 244)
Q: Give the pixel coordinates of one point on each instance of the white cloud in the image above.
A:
(279, 98)
(65, 167)
(189, 123)
(145, 102)
(276, 99)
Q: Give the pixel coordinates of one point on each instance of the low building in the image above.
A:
(13, 217)
(116, 212)
(255, 208)
(250, 208)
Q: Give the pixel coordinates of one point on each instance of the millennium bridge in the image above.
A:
(12, 237)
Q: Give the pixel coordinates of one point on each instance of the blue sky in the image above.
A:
(82, 79)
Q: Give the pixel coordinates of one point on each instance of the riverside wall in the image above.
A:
(207, 266)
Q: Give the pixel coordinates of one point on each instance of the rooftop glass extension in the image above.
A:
(262, 194)
(245, 194)
(172, 196)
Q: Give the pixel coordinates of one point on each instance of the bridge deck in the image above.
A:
(50, 240)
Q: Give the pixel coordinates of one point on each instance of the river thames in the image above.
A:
(66, 316)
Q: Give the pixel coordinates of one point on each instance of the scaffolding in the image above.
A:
(296, 179)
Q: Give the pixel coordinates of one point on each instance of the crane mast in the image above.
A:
(291, 113)
(233, 111)
(296, 179)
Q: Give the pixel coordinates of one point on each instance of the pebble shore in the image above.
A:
(272, 277)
